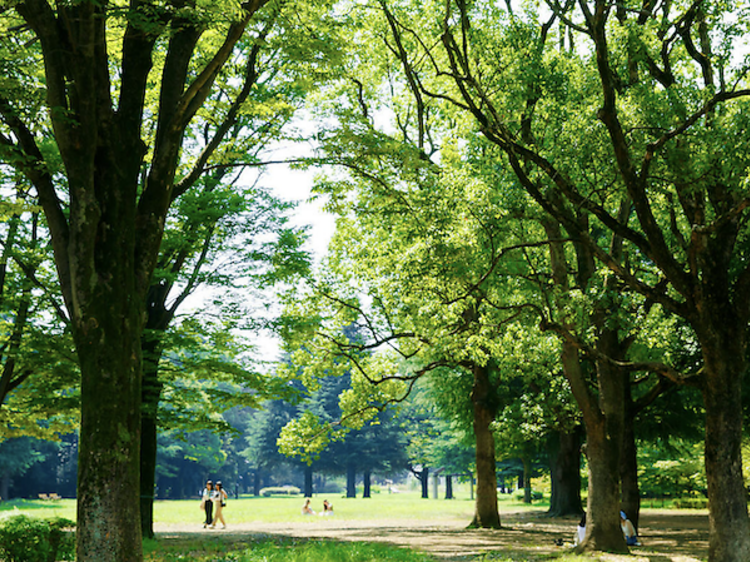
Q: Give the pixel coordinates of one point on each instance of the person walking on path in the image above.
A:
(208, 505)
(219, 499)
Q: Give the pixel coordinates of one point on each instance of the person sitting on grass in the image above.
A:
(327, 508)
(581, 529)
(631, 537)
(306, 509)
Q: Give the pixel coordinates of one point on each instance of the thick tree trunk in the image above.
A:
(351, 481)
(448, 487)
(605, 430)
(366, 484)
(486, 514)
(108, 343)
(631, 495)
(308, 492)
(723, 346)
(603, 521)
(424, 481)
(565, 472)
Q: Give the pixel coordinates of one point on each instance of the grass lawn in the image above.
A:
(249, 509)
(181, 537)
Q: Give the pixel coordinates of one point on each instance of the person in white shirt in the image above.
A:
(631, 537)
(581, 529)
(208, 505)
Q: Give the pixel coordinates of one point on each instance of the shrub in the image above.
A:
(25, 539)
(329, 487)
(280, 491)
(690, 503)
(519, 494)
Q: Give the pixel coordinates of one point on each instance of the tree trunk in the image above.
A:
(565, 473)
(448, 487)
(351, 481)
(603, 407)
(366, 484)
(723, 346)
(603, 530)
(151, 394)
(4, 487)
(308, 481)
(486, 514)
(256, 482)
(424, 480)
(526, 479)
(605, 430)
(148, 473)
(108, 343)
(631, 494)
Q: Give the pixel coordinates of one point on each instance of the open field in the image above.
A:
(435, 527)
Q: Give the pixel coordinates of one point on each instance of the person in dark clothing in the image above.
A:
(207, 504)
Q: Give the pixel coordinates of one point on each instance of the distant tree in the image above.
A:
(17, 456)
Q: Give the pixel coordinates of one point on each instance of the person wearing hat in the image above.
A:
(631, 537)
(219, 498)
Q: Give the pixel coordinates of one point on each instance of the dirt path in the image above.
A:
(667, 536)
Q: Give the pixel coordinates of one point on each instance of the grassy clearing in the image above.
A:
(239, 547)
(249, 509)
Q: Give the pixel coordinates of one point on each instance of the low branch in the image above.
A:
(672, 374)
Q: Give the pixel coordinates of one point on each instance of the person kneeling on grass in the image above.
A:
(327, 508)
(631, 537)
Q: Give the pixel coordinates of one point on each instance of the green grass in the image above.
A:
(249, 509)
(39, 508)
(279, 551)
(405, 506)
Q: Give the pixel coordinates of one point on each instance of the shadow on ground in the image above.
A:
(666, 536)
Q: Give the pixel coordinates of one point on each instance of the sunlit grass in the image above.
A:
(42, 509)
(280, 551)
(249, 509)
(404, 506)
(408, 507)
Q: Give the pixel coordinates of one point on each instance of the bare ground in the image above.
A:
(667, 536)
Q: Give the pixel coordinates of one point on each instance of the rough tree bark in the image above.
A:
(565, 471)
(486, 514)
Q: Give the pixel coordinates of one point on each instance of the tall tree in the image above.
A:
(670, 88)
(670, 95)
(107, 211)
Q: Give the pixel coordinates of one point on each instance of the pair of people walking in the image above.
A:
(213, 501)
